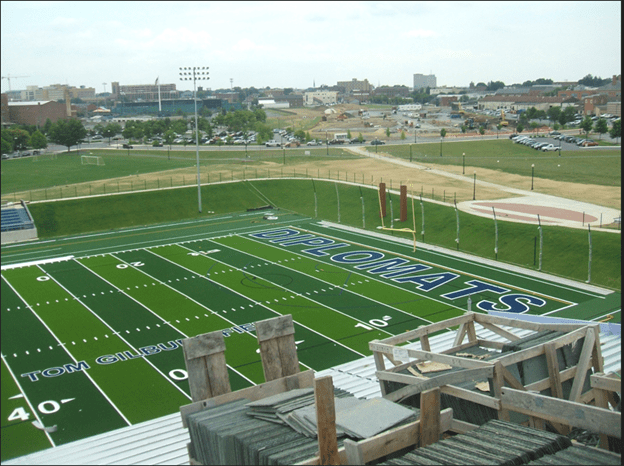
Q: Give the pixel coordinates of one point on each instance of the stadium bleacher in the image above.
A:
(15, 218)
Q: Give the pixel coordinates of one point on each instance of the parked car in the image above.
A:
(377, 142)
(126, 146)
(580, 142)
(539, 145)
(590, 143)
(514, 135)
(549, 148)
(313, 143)
(272, 143)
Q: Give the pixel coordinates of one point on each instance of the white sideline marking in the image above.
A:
(39, 262)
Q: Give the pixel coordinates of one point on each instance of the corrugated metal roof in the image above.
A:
(164, 440)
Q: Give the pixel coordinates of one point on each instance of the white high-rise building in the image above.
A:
(424, 80)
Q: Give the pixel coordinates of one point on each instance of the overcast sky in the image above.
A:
(299, 44)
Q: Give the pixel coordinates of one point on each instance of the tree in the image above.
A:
(601, 126)
(388, 132)
(520, 128)
(19, 137)
(7, 147)
(616, 130)
(481, 130)
(47, 126)
(402, 135)
(38, 140)
(554, 113)
(593, 81)
(67, 133)
(110, 130)
(587, 125)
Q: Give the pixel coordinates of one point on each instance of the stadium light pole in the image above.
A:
(532, 173)
(195, 73)
(463, 163)
(474, 186)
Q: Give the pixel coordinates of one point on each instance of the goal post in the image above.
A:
(91, 160)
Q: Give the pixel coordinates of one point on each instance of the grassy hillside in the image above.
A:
(565, 251)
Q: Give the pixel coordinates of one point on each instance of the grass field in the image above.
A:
(565, 251)
(92, 342)
(601, 167)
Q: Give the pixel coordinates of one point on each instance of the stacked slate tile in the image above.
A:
(282, 429)
(495, 442)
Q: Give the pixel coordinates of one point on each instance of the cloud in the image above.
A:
(422, 33)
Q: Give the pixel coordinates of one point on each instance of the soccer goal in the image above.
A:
(91, 160)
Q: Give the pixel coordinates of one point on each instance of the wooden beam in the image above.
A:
(429, 417)
(469, 395)
(256, 392)
(461, 334)
(508, 322)
(424, 342)
(591, 418)
(326, 420)
(500, 331)
(420, 331)
(354, 452)
(454, 361)
(275, 327)
(392, 440)
(461, 427)
(499, 382)
(552, 362)
(606, 382)
(276, 338)
(583, 365)
(499, 345)
(204, 356)
(439, 380)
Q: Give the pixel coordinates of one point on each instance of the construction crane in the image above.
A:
(8, 78)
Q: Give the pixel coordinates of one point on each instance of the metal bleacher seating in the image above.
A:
(15, 218)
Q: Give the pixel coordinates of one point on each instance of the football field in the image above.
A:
(92, 325)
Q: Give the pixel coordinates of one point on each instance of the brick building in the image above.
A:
(33, 113)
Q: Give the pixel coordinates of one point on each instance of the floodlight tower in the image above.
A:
(195, 73)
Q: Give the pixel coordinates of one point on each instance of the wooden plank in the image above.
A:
(461, 427)
(598, 361)
(326, 420)
(461, 333)
(511, 379)
(274, 327)
(454, 361)
(583, 365)
(601, 402)
(424, 342)
(591, 418)
(354, 452)
(271, 363)
(508, 322)
(203, 345)
(438, 380)
(288, 354)
(429, 417)
(472, 334)
(198, 379)
(499, 382)
(381, 366)
(491, 344)
(485, 400)
(553, 370)
(391, 441)
(605, 382)
(500, 331)
(218, 376)
(420, 331)
(301, 380)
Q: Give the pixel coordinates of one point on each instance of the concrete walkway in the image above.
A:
(552, 210)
